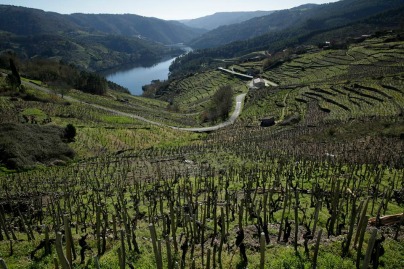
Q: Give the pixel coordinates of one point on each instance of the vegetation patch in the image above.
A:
(24, 146)
(221, 105)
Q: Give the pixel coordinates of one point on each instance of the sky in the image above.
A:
(163, 9)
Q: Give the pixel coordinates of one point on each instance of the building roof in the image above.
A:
(258, 80)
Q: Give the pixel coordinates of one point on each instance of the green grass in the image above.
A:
(33, 112)
(38, 82)
(117, 119)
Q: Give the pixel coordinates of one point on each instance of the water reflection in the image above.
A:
(134, 77)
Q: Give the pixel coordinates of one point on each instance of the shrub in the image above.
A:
(70, 133)
(14, 78)
(92, 83)
(221, 105)
(23, 146)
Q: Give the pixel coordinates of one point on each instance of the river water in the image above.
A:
(134, 78)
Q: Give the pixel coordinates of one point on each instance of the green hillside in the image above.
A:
(359, 82)
(341, 30)
(27, 21)
(306, 17)
(91, 52)
(166, 32)
(218, 19)
(309, 174)
(319, 188)
(91, 42)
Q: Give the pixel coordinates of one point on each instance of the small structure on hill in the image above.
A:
(259, 82)
(267, 122)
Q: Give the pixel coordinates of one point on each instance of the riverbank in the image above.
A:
(134, 77)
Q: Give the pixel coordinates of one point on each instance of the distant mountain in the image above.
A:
(166, 32)
(28, 21)
(312, 17)
(257, 26)
(89, 52)
(216, 20)
(93, 42)
(336, 21)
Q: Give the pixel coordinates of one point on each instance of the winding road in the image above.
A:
(236, 113)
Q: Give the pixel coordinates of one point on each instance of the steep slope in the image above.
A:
(28, 21)
(166, 32)
(311, 17)
(305, 33)
(90, 52)
(218, 19)
(92, 42)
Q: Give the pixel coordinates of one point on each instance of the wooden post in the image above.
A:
(361, 231)
(56, 263)
(262, 249)
(68, 242)
(173, 226)
(123, 252)
(222, 236)
(169, 255)
(314, 263)
(59, 249)
(208, 259)
(3, 264)
(282, 217)
(97, 262)
(98, 229)
(345, 250)
(47, 244)
(369, 250)
(361, 220)
(155, 247)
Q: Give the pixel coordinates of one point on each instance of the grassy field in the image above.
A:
(149, 196)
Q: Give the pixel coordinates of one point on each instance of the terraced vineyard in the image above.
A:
(323, 188)
(99, 131)
(365, 80)
(193, 93)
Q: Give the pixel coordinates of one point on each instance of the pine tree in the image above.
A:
(14, 78)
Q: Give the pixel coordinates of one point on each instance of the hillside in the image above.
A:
(320, 188)
(27, 21)
(218, 19)
(92, 42)
(166, 32)
(302, 168)
(307, 17)
(293, 37)
(92, 52)
(276, 21)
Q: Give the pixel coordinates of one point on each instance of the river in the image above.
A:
(134, 78)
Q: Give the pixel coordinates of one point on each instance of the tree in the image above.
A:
(70, 133)
(221, 105)
(14, 78)
(223, 101)
(59, 87)
(92, 83)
